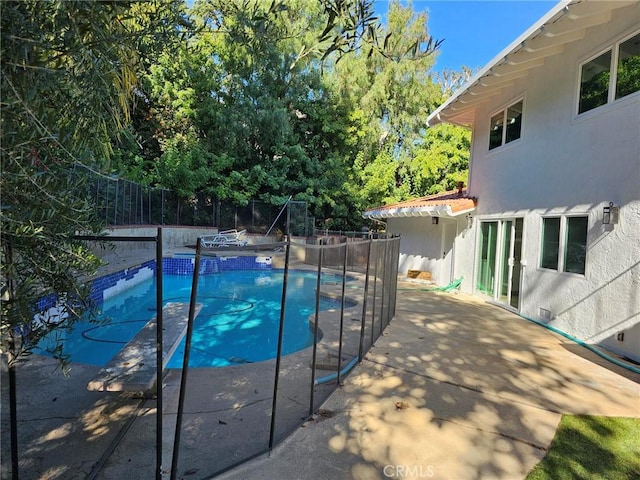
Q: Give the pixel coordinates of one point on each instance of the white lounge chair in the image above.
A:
(226, 238)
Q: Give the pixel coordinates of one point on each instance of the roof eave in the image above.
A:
(439, 116)
(426, 211)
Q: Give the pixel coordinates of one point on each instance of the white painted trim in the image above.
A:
(614, 46)
(500, 56)
(426, 211)
(504, 109)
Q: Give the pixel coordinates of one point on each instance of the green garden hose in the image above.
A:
(452, 286)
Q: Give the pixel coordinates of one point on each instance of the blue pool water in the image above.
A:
(238, 322)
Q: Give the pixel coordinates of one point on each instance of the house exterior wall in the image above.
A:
(428, 247)
(569, 164)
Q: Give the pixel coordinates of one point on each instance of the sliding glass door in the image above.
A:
(499, 268)
(487, 260)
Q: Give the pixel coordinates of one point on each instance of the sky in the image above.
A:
(475, 31)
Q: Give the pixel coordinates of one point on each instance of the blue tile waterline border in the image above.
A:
(170, 265)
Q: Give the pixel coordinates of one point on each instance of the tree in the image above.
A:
(242, 110)
(440, 162)
(68, 76)
(390, 93)
(68, 71)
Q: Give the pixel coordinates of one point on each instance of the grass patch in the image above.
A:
(589, 448)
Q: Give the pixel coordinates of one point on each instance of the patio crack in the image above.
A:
(464, 387)
(226, 409)
(493, 432)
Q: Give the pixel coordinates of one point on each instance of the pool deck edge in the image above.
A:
(133, 369)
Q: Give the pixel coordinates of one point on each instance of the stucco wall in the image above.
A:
(429, 247)
(172, 236)
(563, 164)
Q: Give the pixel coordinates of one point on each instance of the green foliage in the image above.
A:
(68, 74)
(311, 99)
(241, 111)
(390, 94)
(440, 162)
(628, 76)
(591, 447)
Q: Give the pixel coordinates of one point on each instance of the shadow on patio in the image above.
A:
(454, 389)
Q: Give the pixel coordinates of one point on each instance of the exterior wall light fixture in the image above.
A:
(610, 214)
(469, 221)
(435, 220)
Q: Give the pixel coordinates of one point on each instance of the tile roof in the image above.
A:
(445, 204)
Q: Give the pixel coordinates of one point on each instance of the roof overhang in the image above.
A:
(438, 211)
(566, 22)
(452, 203)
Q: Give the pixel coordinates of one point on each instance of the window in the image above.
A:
(594, 83)
(514, 121)
(487, 261)
(495, 135)
(550, 243)
(565, 239)
(506, 126)
(628, 74)
(576, 242)
(611, 75)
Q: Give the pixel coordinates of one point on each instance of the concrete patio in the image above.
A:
(454, 389)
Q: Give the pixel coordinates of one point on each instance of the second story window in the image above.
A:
(611, 75)
(506, 125)
(628, 71)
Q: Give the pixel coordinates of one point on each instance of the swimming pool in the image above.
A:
(238, 323)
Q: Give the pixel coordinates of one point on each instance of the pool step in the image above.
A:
(133, 369)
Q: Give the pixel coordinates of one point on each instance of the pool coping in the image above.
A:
(133, 368)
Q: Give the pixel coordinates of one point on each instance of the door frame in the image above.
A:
(499, 269)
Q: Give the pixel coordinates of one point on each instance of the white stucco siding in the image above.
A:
(465, 255)
(561, 158)
(594, 307)
(569, 164)
(427, 247)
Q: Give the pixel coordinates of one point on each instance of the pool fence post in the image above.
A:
(280, 337)
(115, 205)
(315, 328)
(344, 285)
(383, 318)
(185, 362)
(363, 324)
(394, 279)
(375, 285)
(13, 407)
(7, 253)
(159, 341)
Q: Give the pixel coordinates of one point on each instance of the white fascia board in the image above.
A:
(463, 212)
(435, 118)
(431, 211)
